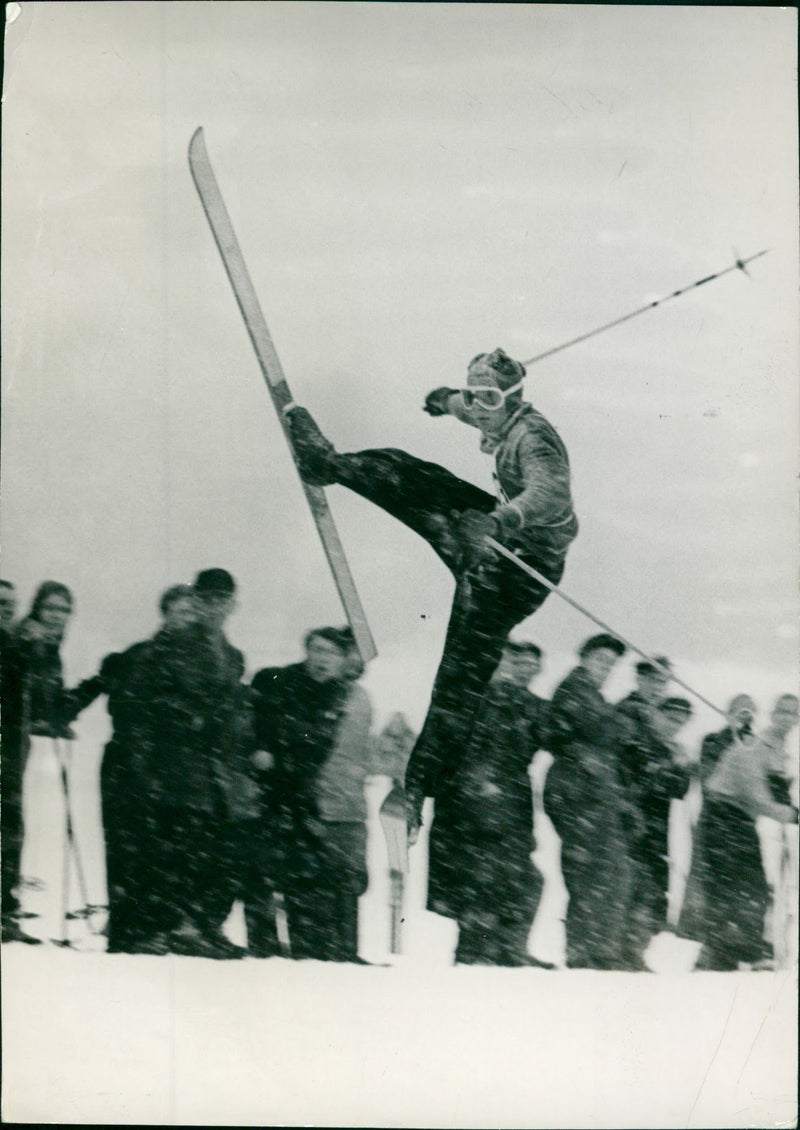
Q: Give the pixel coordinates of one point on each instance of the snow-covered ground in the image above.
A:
(118, 1039)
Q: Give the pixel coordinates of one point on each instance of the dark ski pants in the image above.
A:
(322, 901)
(495, 929)
(124, 822)
(598, 873)
(735, 888)
(647, 915)
(12, 831)
(487, 604)
(185, 867)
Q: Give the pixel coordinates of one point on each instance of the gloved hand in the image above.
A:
(473, 528)
(436, 401)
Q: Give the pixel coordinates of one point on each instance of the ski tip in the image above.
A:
(196, 139)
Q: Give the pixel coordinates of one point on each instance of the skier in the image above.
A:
(532, 515)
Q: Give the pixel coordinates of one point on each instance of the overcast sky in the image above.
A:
(410, 184)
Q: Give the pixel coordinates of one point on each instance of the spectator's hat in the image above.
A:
(214, 582)
(646, 667)
(677, 706)
(603, 640)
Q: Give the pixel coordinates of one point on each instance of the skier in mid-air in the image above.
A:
(532, 515)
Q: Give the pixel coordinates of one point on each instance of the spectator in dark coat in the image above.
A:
(312, 737)
(32, 699)
(480, 868)
(586, 801)
(653, 779)
(184, 690)
(123, 807)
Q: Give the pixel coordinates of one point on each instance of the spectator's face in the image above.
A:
(672, 721)
(652, 687)
(598, 664)
(54, 613)
(8, 605)
(354, 665)
(180, 613)
(523, 667)
(742, 713)
(785, 715)
(214, 608)
(324, 660)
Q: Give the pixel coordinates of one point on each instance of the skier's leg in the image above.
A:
(421, 495)
(498, 599)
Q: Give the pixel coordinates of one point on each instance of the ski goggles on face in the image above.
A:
(486, 396)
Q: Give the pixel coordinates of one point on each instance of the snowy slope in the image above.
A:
(119, 1039)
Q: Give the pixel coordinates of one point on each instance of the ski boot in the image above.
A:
(314, 454)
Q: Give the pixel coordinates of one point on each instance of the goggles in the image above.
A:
(487, 396)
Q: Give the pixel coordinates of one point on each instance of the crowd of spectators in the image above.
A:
(216, 791)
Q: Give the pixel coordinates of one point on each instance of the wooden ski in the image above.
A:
(393, 820)
(239, 276)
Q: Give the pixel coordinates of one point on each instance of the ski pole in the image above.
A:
(70, 837)
(739, 265)
(537, 576)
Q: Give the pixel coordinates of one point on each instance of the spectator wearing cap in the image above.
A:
(312, 729)
(125, 817)
(185, 691)
(587, 804)
(653, 776)
(532, 514)
(480, 870)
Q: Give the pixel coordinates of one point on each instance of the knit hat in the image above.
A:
(645, 667)
(507, 371)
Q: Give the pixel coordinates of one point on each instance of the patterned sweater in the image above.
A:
(532, 476)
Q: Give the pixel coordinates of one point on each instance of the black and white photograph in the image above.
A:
(399, 564)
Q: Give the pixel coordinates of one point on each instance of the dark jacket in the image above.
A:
(296, 719)
(496, 787)
(584, 734)
(32, 700)
(181, 697)
(647, 759)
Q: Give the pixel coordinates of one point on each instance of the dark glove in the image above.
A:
(436, 401)
(473, 528)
